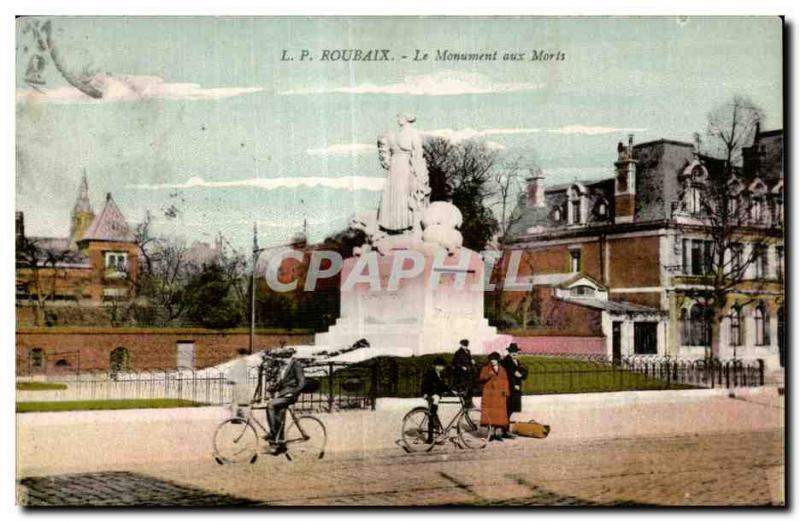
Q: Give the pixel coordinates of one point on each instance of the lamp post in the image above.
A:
(256, 253)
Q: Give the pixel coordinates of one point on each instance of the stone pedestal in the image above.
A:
(427, 313)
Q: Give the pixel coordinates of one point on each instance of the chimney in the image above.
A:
(625, 183)
(535, 198)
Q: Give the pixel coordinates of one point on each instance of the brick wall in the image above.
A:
(148, 349)
(561, 344)
(634, 262)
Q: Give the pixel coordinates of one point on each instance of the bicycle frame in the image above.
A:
(265, 429)
(454, 421)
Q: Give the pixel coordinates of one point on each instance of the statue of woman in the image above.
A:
(406, 193)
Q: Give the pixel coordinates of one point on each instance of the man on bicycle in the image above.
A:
(433, 388)
(284, 390)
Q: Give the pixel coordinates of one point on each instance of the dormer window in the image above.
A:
(735, 190)
(758, 202)
(582, 291)
(557, 214)
(777, 204)
(693, 179)
(577, 204)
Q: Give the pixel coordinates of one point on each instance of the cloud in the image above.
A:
(442, 83)
(373, 184)
(465, 134)
(592, 131)
(341, 150)
(127, 88)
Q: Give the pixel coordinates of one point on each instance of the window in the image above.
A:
(761, 318)
(582, 291)
(576, 212)
(700, 257)
(760, 261)
(777, 204)
(695, 326)
(736, 326)
(119, 360)
(576, 208)
(36, 358)
(757, 212)
(575, 261)
(557, 214)
(116, 261)
(645, 338)
(737, 259)
(758, 203)
(779, 261)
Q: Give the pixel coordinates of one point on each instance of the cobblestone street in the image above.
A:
(721, 469)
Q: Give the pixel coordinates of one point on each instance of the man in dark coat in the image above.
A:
(285, 390)
(463, 367)
(433, 388)
(517, 373)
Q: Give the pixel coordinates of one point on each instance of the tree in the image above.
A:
(732, 126)
(720, 207)
(44, 264)
(164, 271)
(509, 182)
(461, 173)
(209, 299)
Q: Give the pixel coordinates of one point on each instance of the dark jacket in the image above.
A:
(463, 368)
(515, 395)
(432, 384)
(291, 380)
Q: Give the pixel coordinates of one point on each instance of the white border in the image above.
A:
(308, 7)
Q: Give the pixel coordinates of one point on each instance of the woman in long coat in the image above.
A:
(494, 410)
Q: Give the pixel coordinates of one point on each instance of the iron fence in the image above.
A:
(339, 386)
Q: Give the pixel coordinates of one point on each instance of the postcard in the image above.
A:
(400, 261)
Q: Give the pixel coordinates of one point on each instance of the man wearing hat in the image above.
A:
(433, 388)
(517, 373)
(463, 367)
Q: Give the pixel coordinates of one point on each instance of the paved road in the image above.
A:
(709, 469)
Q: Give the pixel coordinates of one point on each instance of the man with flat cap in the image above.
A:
(463, 368)
(517, 373)
(433, 388)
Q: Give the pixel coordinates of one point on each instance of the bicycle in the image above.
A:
(238, 440)
(467, 422)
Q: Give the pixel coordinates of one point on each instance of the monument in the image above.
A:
(412, 288)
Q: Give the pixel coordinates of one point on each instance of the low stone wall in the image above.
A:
(67, 350)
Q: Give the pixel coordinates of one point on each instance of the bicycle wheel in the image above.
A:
(305, 439)
(235, 441)
(472, 434)
(415, 430)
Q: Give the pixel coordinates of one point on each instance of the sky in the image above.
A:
(202, 115)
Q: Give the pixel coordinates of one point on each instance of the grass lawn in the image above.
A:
(40, 386)
(547, 375)
(99, 405)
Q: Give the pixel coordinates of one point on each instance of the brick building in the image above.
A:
(624, 257)
(96, 263)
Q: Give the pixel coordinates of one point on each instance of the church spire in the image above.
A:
(82, 214)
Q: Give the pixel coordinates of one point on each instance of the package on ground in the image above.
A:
(530, 429)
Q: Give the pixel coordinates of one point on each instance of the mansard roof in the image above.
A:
(109, 225)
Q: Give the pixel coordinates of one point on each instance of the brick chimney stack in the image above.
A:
(625, 183)
(535, 189)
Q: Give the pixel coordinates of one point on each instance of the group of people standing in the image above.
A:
(501, 380)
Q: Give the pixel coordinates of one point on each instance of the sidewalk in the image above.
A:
(54, 443)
